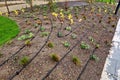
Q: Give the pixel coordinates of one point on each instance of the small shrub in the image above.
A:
(26, 36)
(68, 28)
(44, 34)
(55, 57)
(66, 44)
(91, 39)
(24, 60)
(73, 36)
(35, 25)
(84, 46)
(59, 34)
(94, 57)
(50, 45)
(27, 31)
(76, 60)
(1, 55)
(28, 43)
(97, 45)
(42, 28)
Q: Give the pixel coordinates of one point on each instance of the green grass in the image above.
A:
(8, 29)
(107, 1)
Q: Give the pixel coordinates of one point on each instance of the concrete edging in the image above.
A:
(111, 70)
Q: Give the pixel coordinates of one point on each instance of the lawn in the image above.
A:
(8, 29)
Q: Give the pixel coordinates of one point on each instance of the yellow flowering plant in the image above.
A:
(70, 16)
(22, 10)
(16, 12)
(1, 13)
(55, 14)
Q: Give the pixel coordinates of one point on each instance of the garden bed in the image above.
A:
(50, 48)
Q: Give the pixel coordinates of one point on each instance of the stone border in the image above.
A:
(111, 70)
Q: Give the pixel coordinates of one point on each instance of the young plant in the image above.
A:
(73, 36)
(24, 60)
(68, 28)
(97, 45)
(42, 28)
(1, 55)
(27, 31)
(76, 60)
(38, 22)
(94, 57)
(30, 35)
(44, 34)
(35, 25)
(66, 44)
(27, 36)
(55, 57)
(50, 45)
(59, 34)
(91, 39)
(28, 43)
(84, 46)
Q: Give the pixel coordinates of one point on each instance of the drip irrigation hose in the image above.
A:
(50, 71)
(1, 64)
(88, 60)
(20, 70)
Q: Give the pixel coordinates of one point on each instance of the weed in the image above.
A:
(24, 60)
(55, 57)
(84, 46)
(94, 57)
(50, 45)
(76, 60)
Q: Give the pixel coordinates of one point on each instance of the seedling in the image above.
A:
(97, 45)
(42, 28)
(36, 25)
(68, 28)
(44, 34)
(27, 36)
(66, 44)
(30, 35)
(73, 36)
(9, 42)
(84, 46)
(91, 39)
(50, 45)
(1, 55)
(24, 60)
(28, 43)
(27, 31)
(59, 34)
(55, 57)
(38, 22)
(94, 57)
(76, 60)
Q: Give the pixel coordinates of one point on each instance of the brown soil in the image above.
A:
(98, 25)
